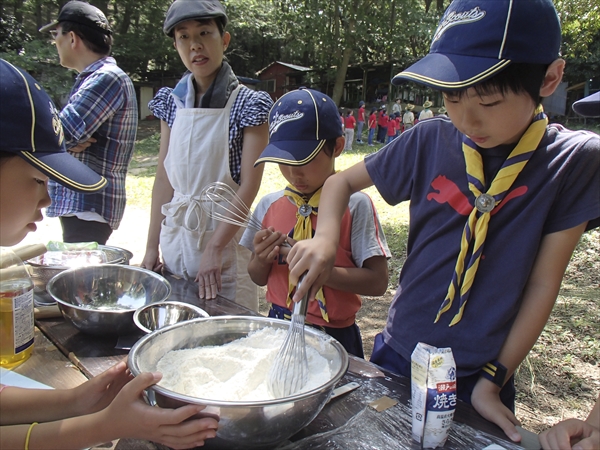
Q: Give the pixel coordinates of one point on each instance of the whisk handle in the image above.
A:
(302, 306)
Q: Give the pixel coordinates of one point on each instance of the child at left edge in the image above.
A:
(305, 138)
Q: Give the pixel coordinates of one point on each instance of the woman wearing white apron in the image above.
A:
(212, 129)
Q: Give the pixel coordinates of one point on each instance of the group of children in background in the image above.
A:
(381, 125)
(493, 172)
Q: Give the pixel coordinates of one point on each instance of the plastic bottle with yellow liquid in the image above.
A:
(16, 310)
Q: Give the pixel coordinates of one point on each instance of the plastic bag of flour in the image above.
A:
(433, 389)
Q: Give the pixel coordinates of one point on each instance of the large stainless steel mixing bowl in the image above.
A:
(101, 299)
(251, 424)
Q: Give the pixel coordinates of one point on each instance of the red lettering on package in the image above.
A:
(446, 386)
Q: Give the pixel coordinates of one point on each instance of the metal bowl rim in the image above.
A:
(64, 273)
(127, 255)
(133, 366)
(138, 311)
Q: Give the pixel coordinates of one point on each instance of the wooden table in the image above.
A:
(49, 366)
(347, 422)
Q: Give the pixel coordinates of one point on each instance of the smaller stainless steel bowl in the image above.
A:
(152, 317)
(101, 299)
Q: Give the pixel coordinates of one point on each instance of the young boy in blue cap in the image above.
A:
(109, 406)
(305, 137)
(498, 201)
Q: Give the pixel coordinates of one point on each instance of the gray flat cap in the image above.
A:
(182, 10)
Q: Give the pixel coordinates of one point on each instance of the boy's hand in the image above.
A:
(267, 245)
(316, 257)
(129, 416)
(97, 393)
(486, 401)
(583, 435)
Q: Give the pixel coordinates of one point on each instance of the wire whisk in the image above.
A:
(222, 203)
(289, 372)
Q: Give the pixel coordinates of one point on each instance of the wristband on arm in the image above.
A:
(495, 372)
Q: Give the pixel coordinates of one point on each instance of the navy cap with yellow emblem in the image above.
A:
(30, 128)
(476, 39)
(300, 123)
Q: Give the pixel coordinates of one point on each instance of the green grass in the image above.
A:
(394, 219)
(589, 125)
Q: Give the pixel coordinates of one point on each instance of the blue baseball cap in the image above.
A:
(31, 128)
(299, 124)
(476, 39)
(588, 106)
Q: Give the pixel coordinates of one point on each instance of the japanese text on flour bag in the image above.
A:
(433, 389)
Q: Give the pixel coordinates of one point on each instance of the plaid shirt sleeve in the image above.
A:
(163, 106)
(250, 109)
(98, 97)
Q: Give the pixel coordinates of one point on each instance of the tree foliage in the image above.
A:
(326, 35)
(580, 22)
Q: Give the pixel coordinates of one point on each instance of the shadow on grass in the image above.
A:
(396, 235)
(363, 149)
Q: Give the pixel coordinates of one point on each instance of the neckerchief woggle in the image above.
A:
(303, 230)
(478, 221)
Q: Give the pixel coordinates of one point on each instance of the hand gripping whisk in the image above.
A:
(289, 372)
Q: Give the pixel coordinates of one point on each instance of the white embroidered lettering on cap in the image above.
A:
(458, 18)
(280, 119)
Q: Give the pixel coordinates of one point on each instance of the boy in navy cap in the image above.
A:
(305, 138)
(108, 406)
(498, 201)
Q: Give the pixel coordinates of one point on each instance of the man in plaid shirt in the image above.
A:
(99, 120)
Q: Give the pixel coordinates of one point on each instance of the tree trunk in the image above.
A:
(103, 6)
(18, 10)
(340, 75)
(39, 23)
(126, 21)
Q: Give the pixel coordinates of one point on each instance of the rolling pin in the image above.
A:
(46, 312)
(24, 252)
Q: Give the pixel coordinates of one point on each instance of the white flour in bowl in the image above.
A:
(236, 371)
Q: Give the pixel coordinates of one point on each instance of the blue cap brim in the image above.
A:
(449, 72)
(66, 170)
(290, 153)
(588, 106)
